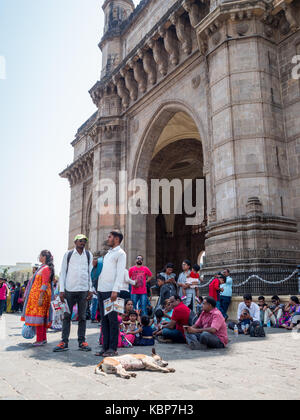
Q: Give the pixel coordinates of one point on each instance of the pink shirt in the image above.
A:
(139, 274)
(214, 319)
(3, 292)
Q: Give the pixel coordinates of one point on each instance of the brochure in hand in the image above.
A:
(117, 306)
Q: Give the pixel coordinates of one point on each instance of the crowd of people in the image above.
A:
(180, 315)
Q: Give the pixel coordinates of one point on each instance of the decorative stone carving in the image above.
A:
(122, 91)
(171, 44)
(139, 74)
(159, 55)
(242, 28)
(130, 83)
(216, 38)
(196, 82)
(290, 17)
(149, 65)
(254, 206)
(193, 10)
(183, 31)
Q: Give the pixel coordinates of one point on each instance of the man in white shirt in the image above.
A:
(76, 288)
(110, 282)
(253, 316)
(252, 307)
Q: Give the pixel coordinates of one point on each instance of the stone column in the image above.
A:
(247, 135)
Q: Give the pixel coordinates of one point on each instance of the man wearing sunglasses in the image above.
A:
(141, 275)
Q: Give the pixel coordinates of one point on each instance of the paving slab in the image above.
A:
(250, 368)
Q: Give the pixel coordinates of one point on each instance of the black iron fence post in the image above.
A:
(299, 279)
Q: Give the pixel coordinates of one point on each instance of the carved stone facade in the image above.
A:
(216, 76)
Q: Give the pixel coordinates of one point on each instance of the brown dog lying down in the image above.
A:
(121, 365)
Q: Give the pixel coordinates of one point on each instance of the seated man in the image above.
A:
(173, 330)
(254, 313)
(210, 331)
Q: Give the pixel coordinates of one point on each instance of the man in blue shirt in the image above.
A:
(226, 293)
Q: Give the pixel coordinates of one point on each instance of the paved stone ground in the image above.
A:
(249, 369)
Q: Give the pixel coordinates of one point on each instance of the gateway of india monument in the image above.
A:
(193, 89)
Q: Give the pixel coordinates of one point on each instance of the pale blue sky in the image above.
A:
(52, 60)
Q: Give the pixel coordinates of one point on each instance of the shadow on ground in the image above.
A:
(169, 352)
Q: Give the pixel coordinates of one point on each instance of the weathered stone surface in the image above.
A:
(231, 79)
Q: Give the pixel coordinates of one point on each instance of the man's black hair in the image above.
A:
(261, 298)
(275, 297)
(188, 262)
(248, 296)
(117, 234)
(159, 313)
(211, 301)
(169, 265)
(160, 277)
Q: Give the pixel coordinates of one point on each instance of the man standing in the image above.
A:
(76, 288)
(141, 275)
(110, 282)
(210, 331)
(226, 293)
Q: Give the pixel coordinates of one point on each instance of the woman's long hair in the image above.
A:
(49, 263)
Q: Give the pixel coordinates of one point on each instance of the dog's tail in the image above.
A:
(153, 351)
(99, 370)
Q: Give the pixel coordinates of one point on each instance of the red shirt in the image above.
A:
(214, 319)
(139, 274)
(213, 289)
(181, 315)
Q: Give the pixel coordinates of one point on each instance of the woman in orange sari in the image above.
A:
(37, 305)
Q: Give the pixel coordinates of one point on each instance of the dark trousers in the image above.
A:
(207, 339)
(73, 298)
(224, 305)
(2, 306)
(125, 295)
(109, 324)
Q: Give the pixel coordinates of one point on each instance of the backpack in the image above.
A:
(70, 253)
(256, 330)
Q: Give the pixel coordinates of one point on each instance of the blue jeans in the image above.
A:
(174, 335)
(224, 305)
(94, 308)
(140, 302)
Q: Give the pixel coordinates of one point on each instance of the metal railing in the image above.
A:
(257, 283)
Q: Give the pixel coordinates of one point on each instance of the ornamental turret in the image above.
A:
(116, 13)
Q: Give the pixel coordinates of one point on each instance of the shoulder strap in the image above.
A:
(70, 253)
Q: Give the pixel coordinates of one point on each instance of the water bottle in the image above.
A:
(269, 324)
(236, 330)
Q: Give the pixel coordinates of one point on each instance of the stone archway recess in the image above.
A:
(141, 228)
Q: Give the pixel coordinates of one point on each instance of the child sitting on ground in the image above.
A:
(245, 323)
(146, 333)
(157, 326)
(131, 326)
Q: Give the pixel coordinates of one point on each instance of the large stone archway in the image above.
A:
(171, 149)
(214, 73)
